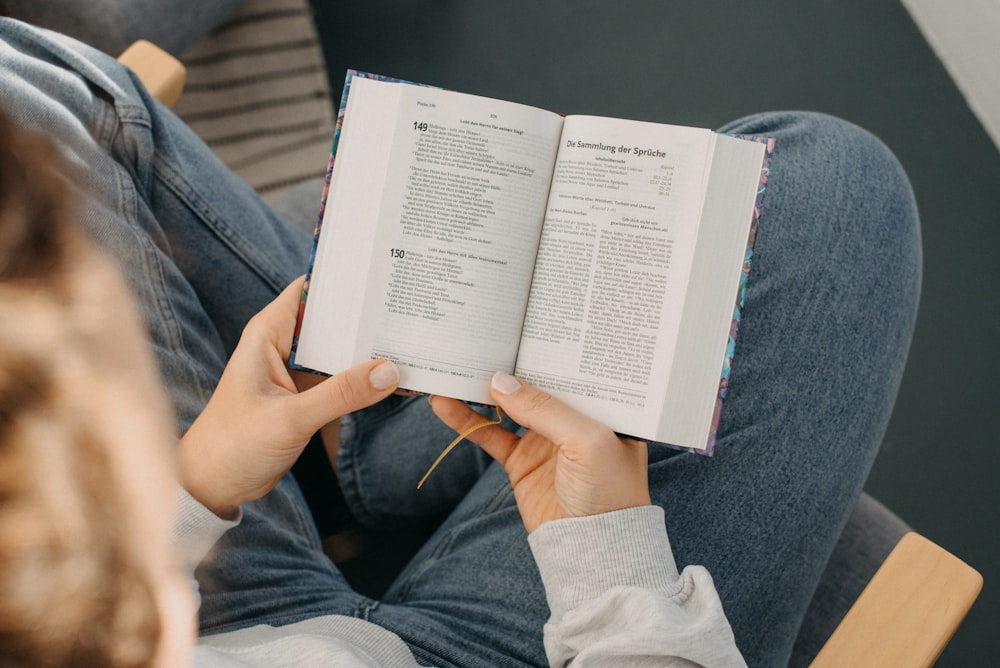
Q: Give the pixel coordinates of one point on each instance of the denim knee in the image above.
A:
(840, 195)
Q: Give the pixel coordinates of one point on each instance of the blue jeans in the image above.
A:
(829, 313)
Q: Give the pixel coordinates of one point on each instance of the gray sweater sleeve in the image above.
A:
(613, 589)
(196, 530)
(616, 597)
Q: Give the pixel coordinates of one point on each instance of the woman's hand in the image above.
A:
(261, 416)
(565, 465)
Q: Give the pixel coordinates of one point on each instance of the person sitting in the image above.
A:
(149, 302)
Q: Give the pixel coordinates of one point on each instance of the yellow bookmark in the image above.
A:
(459, 439)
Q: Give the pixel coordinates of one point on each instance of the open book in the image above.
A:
(600, 259)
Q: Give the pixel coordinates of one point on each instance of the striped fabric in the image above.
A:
(258, 94)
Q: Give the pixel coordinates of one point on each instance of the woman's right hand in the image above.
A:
(565, 465)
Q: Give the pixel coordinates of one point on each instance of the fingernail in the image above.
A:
(384, 375)
(504, 383)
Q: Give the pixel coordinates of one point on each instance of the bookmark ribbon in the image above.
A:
(458, 439)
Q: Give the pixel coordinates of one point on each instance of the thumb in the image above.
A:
(358, 387)
(538, 410)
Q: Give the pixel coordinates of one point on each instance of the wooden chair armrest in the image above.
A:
(162, 74)
(908, 612)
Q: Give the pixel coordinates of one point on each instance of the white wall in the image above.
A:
(965, 34)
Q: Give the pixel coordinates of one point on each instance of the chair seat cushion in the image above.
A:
(871, 532)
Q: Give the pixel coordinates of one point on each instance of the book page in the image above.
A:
(612, 268)
(444, 222)
(714, 298)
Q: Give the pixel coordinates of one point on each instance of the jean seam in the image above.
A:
(447, 542)
(347, 473)
(304, 524)
(167, 319)
(173, 179)
(364, 608)
(353, 430)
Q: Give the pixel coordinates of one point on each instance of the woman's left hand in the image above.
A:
(261, 416)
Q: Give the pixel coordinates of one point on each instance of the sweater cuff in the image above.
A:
(581, 558)
(197, 529)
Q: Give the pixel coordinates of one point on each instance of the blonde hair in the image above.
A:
(73, 590)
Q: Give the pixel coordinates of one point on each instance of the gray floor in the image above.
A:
(706, 63)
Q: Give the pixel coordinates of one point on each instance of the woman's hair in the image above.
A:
(73, 588)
